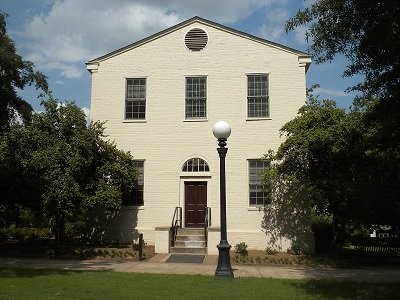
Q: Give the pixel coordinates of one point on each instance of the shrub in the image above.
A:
(24, 233)
(322, 227)
(271, 251)
(297, 249)
(241, 249)
(75, 229)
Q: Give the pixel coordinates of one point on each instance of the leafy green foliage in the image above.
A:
(15, 74)
(24, 233)
(317, 164)
(241, 249)
(366, 32)
(356, 171)
(271, 251)
(66, 169)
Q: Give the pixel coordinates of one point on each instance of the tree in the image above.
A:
(320, 160)
(368, 34)
(15, 73)
(73, 169)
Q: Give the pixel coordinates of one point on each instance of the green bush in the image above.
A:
(271, 251)
(3, 237)
(241, 249)
(297, 249)
(24, 233)
(75, 230)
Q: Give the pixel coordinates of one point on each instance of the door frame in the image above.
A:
(184, 179)
(196, 222)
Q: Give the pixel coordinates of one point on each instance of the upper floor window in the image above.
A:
(257, 96)
(257, 193)
(196, 98)
(135, 99)
(136, 196)
(195, 165)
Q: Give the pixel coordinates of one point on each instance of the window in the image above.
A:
(257, 96)
(257, 193)
(135, 102)
(136, 196)
(196, 98)
(195, 165)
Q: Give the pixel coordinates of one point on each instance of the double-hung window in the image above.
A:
(258, 195)
(136, 196)
(135, 99)
(257, 96)
(196, 98)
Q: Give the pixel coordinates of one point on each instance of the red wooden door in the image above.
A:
(195, 203)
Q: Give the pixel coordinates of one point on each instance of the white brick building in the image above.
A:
(161, 97)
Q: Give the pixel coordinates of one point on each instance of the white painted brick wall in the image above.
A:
(166, 141)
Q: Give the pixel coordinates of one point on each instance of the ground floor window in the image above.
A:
(136, 196)
(257, 193)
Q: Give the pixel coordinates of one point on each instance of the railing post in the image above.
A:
(180, 217)
(140, 246)
(176, 222)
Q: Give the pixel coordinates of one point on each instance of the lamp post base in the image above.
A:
(224, 268)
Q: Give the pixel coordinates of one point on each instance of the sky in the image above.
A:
(59, 36)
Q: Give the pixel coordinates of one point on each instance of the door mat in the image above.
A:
(185, 258)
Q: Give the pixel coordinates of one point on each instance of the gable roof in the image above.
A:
(302, 55)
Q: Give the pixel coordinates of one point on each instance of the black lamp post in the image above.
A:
(222, 131)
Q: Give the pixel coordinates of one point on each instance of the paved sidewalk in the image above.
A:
(158, 265)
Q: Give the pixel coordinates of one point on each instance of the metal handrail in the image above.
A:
(207, 222)
(207, 217)
(176, 223)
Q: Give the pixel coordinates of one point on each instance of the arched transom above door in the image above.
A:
(195, 164)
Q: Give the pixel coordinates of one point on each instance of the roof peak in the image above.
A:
(188, 22)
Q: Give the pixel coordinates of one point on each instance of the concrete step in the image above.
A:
(188, 250)
(190, 244)
(190, 231)
(200, 238)
(190, 241)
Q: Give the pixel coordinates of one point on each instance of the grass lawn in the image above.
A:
(60, 284)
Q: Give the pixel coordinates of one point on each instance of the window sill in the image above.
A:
(258, 119)
(195, 120)
(134, 121)
(132, 207)
(255, 208)
(195, 174)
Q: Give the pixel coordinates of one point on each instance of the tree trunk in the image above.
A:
(59, 233)
(337, 232)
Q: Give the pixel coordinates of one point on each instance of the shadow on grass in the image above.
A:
(115, 285)
(347, 289)
(31, 273)
(37, 267)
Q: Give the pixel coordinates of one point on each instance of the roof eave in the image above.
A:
(187, 22)
(305, 61)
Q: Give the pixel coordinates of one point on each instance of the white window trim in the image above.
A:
(184, 99)
(124, 119)
(256, 207)
(138, 206)
(269, 97)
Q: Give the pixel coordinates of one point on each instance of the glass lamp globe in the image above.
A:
(222, 130)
